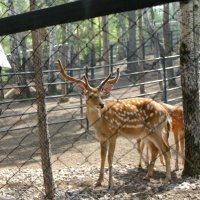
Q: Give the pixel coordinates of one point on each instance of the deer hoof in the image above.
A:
(97, 184)
(166, 180)
(110, 188)
(147, 178)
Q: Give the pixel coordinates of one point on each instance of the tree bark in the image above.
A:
(106, 44)
(132, 65)
(122, 37)
(43, 132)
(141, 52)
(51, 75)
(168, 46)
(190, 89)
(63, 52)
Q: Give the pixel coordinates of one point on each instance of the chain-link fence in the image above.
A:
(47, 146)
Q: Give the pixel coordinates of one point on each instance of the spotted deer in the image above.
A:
(177, 129)
(132, 118)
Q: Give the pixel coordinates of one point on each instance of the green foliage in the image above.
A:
(4, 70)
(82, 36)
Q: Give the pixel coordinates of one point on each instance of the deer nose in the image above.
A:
(101, 104)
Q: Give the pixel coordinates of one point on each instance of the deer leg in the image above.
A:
(177, 149)
(164, 148)
(147, 156)
(161, 159)
(140, 151)
(167, 156)
(154, 153)
(104, 148)
(144, 158)
(182, 144)
(112, 144)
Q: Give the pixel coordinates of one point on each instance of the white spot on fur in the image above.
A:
(151, 114)
(133, 126)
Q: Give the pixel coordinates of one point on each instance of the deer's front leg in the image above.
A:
(112, 144)
(140, 151)
(104, 148)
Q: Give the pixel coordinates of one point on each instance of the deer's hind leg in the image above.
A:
(140, 148)
(160, 145)
(182, 144)
(154, 154)
(177, 149)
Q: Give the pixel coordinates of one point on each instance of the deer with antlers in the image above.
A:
(132, 118)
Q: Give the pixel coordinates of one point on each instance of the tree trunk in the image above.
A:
(63, 53)
(189, 80)
(122, 38)
(106, 44)
(132, 65)
(158, 50)
(168, 46)
(43, 132)
(25, 61)
(51, 75)
(92, 51)
(141, 52)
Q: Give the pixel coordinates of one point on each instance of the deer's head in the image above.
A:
(93, 94)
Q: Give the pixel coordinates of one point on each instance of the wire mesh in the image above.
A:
(148, 58)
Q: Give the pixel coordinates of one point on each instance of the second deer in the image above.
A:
(133, 118)
(177, 129)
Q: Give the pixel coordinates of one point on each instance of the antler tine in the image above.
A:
(103, 82)
(114, 80)
(87, 83)
(66, 77)
(110, 81)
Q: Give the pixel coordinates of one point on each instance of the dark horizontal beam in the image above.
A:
(71, 12)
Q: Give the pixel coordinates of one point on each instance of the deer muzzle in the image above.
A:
(101, 104)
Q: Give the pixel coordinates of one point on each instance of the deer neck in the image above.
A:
(94, 116)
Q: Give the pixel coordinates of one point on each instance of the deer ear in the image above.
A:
(107, 88)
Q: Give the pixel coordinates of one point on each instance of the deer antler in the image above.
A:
(114, 80)
(85, 83)
(66, 77)
(109, 81)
